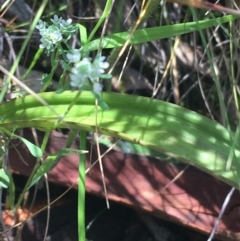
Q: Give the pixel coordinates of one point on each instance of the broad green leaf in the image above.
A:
(161, 126)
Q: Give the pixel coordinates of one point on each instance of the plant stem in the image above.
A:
(81, 189)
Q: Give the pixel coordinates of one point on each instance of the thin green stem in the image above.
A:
(81, 189)
(100, 21)
(55, 62)
(215, 77)
(74, 101)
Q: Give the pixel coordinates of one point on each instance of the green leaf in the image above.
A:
(45, 78)
(83, 33)
(11, 191)
(155, 33)
(105, 76)
(34, 150)
(161, 126)
(4, 179)
(51, 161)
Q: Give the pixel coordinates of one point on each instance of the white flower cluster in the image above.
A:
(85, 69)
(60, 30)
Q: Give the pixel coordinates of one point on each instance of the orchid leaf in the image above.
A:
(161, 126)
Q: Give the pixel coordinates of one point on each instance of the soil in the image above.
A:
(118, 223)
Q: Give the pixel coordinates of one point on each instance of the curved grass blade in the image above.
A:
(155, 33)
(161, 126)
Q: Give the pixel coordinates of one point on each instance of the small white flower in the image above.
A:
(65, 24)
(56, 19)
(84, 70)
(84, 66)
(74, 56)
(77, 79)
(59, 31)
(99, 63)
(45, 44)
(55, 35)
(98, 67)
(94, 74)
(41, 25)
(80, 73)
(69, 21)
(97, 88)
